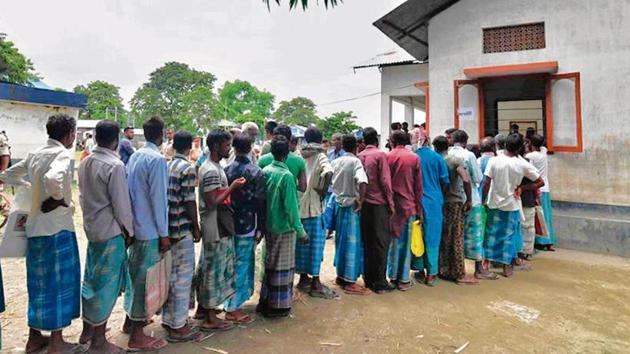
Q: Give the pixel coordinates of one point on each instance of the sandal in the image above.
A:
(222, 326)
(324, 293)
(154, 345)
(402, 286)
(243, 320)
(192, 336)
(467, 281)
(487, 276)
(356, 290)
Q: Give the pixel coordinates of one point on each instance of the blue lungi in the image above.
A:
(244, 268)
(175, 310)
(330, 208)
(545, 201)
(473, 234)
(103, 277)
(53, 280)
(399, 258)
(309, 257)
(348, 244)
(432, 233)
(142, 256)
(501, 230)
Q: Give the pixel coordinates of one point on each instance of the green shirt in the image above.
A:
(283, 209)
(294, 163)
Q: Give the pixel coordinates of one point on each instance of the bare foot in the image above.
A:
(146, 343)
(60, 347)
(86, 335)
(36, 342)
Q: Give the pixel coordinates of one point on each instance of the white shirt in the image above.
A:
(50, 174)
(89, 145)
(348, 174)
(540, 161)
(474, 171)
(507, 174)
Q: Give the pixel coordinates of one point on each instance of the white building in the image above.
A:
(558, 66)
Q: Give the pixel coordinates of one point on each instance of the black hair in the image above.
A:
(499, 139)
(450, 131)
(325, 141)
(537, 140)
(513, 143)
(153, 128)
(279, 147)
(283, 130)
(487, 144)
(89, 135)
(127, 128)
(370, 136)
(440, 144)
(294, 139)
(59, 125)
(417, 125)
(423, 125)
(514, 127)
(242, 143)
(313, 135)
(460, 136)
(182, 141)
(474, 149)
(270, 126)
(349, 142)
(399, 137)
(529, 132)
(217, 137)
(395, 126)
(106, 132)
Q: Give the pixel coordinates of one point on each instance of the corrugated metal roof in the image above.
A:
(20, 93)
(394, 56)
(407, 25)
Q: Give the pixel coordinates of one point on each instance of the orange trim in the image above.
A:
(456, 85)
(579, 147)
(512, 69)
(424, 85)
(549, 115)
(456, 104)
(481, 111)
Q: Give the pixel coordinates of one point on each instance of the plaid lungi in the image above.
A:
(452, 265)
(399, 258)
(348, 244)
(103, 277)
(277, 286)
(53, 280)
(309, 257)
(175, 310)
(545, 201)
(501, 228)
(215, 273)
(473, 234)
(244, 265)
(143, 254)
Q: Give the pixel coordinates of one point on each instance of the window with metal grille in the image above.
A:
(514, 38)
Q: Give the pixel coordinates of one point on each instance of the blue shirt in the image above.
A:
(148, 184)
(125, 150)
(332, 155)
(249, 202)
(483, 163)
(434, 174)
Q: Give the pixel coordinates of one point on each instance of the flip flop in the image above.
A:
(154, 345)
(325, 293)
(361, 291)
(225, 326)
(245, 319)
(404, 286)
(487, 276)
(304, 287)
(192, 336)
(467, 281)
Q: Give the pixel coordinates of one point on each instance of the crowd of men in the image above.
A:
(168, 195)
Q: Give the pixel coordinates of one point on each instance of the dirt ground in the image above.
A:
(571, 302)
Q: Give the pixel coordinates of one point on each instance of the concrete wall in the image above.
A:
(399, 80)
(590, 37)
(25, 125)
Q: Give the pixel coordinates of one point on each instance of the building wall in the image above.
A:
(399, 80)
(25, 125)
(590, 37)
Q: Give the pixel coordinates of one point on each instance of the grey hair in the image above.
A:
(499, 139)
(249, 126)
(337, 136)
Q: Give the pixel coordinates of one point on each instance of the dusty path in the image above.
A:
(571, 302)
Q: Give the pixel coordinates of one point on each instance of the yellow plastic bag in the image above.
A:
(417, 241)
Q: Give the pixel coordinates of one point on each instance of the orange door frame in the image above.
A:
(579, 147)
(424, 86)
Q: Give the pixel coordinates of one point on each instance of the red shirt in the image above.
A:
(406, 185)
(379, 188)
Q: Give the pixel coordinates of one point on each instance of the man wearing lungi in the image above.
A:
(538, 158)
(501, 193)
(148, 183)
(283, 225)
(108, 224)
(52, 258)
(349, 184)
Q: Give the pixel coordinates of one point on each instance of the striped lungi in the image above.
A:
(215, 273)
(432, 234)
(309, 257)
(501, 229)
(348, 244)
(143, 254)
(244, 265)
(53, 279)
(545, 201)
(104, 274)
(277, 286)
(175, 310)
(473, 234)
(399, 258)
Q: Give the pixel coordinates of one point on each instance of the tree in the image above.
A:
(298, 111)
(340, 122)
(104, 101)
(304, 3)
(180, 95)
(243, 102)
(15, 68)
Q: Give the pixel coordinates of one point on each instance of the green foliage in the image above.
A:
(241, 102)
(304, 3)
(104, 101)
(340, 122)
(180, 95)
(298, 111)
(15, 68)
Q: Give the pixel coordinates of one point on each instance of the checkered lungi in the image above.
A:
(309, 257)
(348, 244)
(277, 285)
(215, 273)
(501, 228)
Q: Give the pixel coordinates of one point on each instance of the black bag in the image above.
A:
(225, 220)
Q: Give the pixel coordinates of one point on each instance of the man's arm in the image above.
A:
(15, 174)
(486, 189)
(359, 204)
(53, 183)
(158, 187)
(463, 174)
(301, 186)
(291, 205)
(386, 183)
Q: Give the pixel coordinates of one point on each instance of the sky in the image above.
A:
(289, 53)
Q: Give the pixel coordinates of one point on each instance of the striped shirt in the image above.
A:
(182, 179)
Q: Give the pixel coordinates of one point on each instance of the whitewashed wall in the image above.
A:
(592, 37)
(25, 125)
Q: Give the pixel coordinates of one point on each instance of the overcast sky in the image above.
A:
(287, 53)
